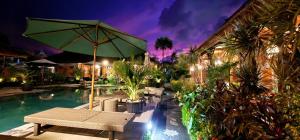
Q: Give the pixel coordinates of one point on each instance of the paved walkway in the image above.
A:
(167, 121)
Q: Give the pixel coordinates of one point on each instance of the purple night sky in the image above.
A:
(186, 22)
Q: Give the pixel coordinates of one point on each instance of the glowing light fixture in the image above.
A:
(105, 62)
(13, 79)
(192, 68)
(218, 62)
(149, 125)
(273, 50)
(1, 80)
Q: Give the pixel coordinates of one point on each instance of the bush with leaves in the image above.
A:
(155, 77)
(132, 75)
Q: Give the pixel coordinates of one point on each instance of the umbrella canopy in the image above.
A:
(91, 37)
(78, 35)
(42, 62)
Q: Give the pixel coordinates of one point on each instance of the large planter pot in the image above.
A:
(27, 87)
(134, 106)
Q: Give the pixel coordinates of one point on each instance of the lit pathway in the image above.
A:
(167, 121)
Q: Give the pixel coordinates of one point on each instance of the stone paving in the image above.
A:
(167, 121)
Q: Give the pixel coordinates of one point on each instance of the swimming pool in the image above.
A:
(14, 108)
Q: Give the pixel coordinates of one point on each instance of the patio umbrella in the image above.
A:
(42, 63)
(91, 37)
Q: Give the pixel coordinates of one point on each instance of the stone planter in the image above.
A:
(135, 106)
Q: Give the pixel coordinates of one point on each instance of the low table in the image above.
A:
(81, 118)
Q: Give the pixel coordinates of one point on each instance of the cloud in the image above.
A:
(174, 15)
(191, 21)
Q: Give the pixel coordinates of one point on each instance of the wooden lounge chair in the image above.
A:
(5, 137)
(80, 118)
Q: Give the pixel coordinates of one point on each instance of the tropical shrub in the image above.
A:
(78, 73)
(176, 85)
(132, 75)
(112, 79)
(246, 109)
(155, 77)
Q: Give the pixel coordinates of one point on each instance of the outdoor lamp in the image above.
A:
(192, 68)
(297, 28)
(218, 62)
(1, 80)
(105, 62)
(13, 79)
(273, 50)
(149, 125)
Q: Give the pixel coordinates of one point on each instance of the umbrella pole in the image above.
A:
(93, 80)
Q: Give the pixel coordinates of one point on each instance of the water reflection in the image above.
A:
(46, 96)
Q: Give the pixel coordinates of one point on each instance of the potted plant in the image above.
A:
(132, 75)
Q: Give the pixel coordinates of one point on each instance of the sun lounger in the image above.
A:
(81, 118)
(5, 137)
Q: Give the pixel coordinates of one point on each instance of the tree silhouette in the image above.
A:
(163, 43)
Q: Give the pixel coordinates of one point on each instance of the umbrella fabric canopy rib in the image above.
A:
(91, 37)
(77, 35)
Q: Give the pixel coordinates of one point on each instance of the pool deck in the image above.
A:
(60, 85)
(16, 91)
(166, 123)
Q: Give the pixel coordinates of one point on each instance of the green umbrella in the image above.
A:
(91, 37)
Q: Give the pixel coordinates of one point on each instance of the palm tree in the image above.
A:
(163, 43)
(193, 55)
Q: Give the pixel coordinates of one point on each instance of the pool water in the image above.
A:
(14, 108)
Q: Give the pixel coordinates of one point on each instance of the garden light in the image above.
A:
(1, 80)
(149, 125)
(273, 50)
(13, 79)
(157, 80)
(77, 78)
(218, 62)
(105, 62)
(192, 68)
